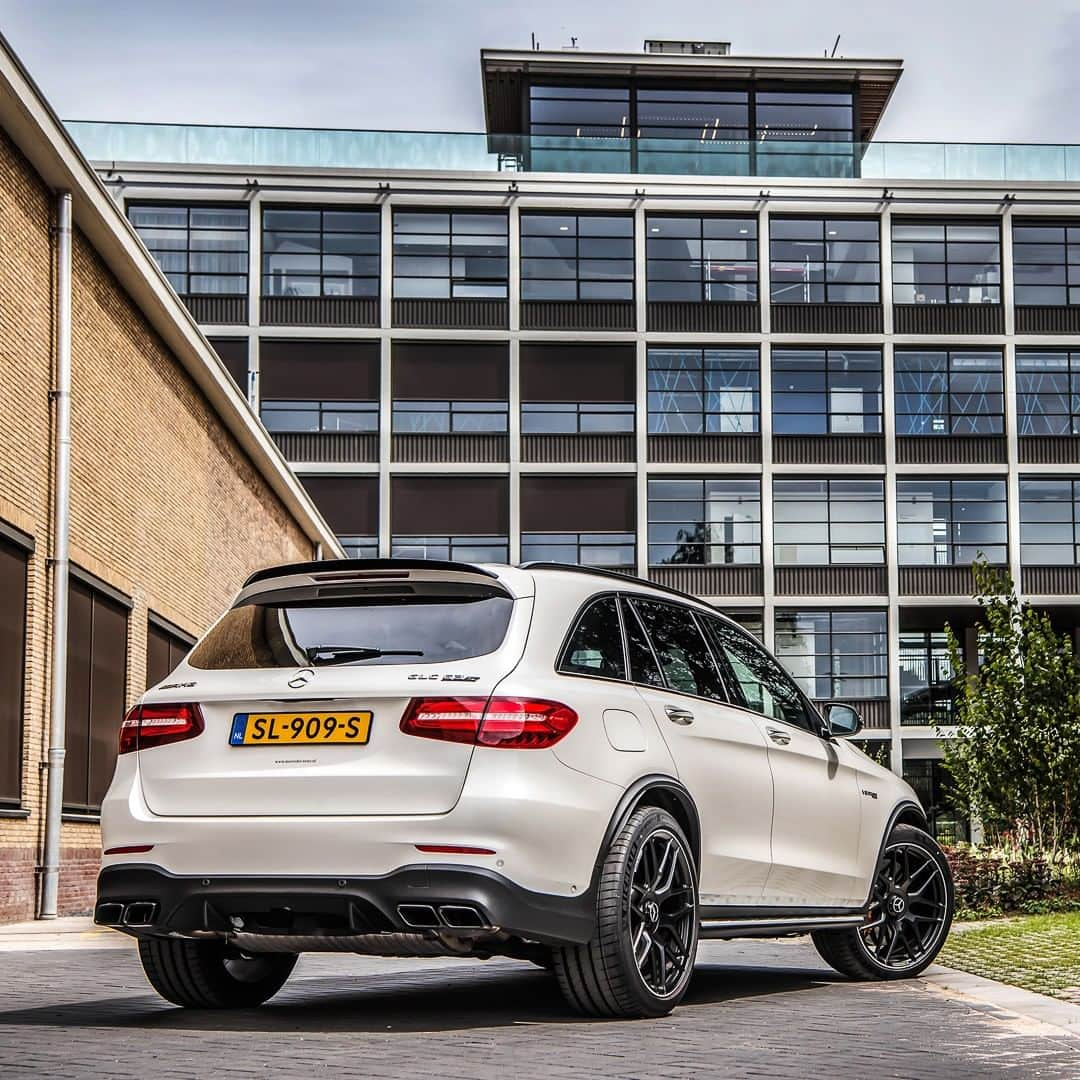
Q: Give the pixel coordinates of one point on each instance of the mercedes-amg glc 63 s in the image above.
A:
(570, 767)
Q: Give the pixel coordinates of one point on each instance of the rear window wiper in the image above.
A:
(338, 654)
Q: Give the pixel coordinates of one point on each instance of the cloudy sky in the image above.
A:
(981, 70)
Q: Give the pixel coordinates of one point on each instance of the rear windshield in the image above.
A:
(361, 632)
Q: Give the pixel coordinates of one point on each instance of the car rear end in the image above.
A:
(335, 758)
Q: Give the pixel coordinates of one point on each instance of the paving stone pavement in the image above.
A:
(766, 1009)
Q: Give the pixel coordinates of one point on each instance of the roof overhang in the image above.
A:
(39, 134)
(506, 72)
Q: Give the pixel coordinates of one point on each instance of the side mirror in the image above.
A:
(843, 720)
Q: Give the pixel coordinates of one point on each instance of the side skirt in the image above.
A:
(712, 929)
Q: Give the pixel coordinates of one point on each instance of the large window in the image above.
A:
(96, 685)
(704, 521)
(1048, 392)
(828, 522)
(1046, 264)
(700, 116)
(704, 391)
(456, 417)
(577, 257)
(350, 505)
(826, 391)
(927, 692)
(950, 522)
(320, 253)
(803, 116)
(949, 392)
(1050, 521)
(839, 655)
(165, 648)
(576, 389)
(444, 255)
(460, 518)
(576, 418)
(580, 111)
(202, 250)
(701, 259)
(607, 550)
(946, 263)
(595, 646)
(585, 519)
(817, 261)
(13, 565)
(937, 793)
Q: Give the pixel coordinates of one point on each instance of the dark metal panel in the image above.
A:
(710, 580)
(578, 504)
(949, 318)
(293, 370)
(705, 449)
(670, 316)
(1050, 449)
(468, 313)
(450, 371)
(1051, 580)
(217, 310)
(234, 355)
(577, 314)
(571, 448)
(831, 581)
(77, 722)
(951, 449)
(1040, 319)
(319, 311)
(335, 446)
(829, 449)
(108, 686)
(163, 652)
(936, 581)
(449, 505)
(571, 372)
(827, 318)
(465, 446)
(350, 504)
(13, 581)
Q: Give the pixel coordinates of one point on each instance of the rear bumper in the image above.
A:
(164, 903)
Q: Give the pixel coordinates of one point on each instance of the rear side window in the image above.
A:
(360, 630)
(685, 659)
(643, 666)
(595, 646)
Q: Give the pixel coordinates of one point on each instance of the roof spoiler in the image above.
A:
(344, 568)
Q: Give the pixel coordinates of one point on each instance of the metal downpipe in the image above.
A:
(54, 797)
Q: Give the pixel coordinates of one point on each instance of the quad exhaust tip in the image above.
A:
(454, 916)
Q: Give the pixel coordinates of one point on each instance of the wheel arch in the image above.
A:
(904, 812)
(666, 793)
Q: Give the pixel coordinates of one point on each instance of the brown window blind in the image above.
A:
(573, 372)
(449, 505)
(234, 355)
(578, 504)
(350, 504)
(164, 650)
(319, 370)
(13, 562)
(96, 678)
(449, 371)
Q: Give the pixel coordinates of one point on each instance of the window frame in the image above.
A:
(946, 242)
(701, 262)
(1069, 246)
(576, 260)
(827, 263)
(830, 415)
(950, 415)
(1024, 398)
(267, 279)
(23, 551)
(951, 543)
(1073, 520)
(828, 521)
(701, 374)
(721, 478)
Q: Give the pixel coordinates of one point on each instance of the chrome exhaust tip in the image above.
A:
(141, 913)
(109, 914)
(418, 916)
(462, 917)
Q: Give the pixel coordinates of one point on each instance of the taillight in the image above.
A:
(505, 722)
(147, 726)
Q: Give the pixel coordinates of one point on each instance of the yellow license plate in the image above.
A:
(300, 729)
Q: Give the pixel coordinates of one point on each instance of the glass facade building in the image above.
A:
(591, 334)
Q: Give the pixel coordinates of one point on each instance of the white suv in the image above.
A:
(566, 766)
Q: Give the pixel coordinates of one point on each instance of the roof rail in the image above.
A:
(615, 574)
(358, 566)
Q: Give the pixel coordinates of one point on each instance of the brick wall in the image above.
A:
(165, 505)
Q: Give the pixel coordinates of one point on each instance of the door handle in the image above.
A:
(679, 716)
(778, 736)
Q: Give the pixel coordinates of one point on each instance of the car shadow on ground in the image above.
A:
(457, 999)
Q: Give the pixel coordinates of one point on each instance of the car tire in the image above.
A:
(642, 956)
(210, 974)
(911, 909)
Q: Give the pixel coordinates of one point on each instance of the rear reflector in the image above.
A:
(505, 722)
(448, 849)
(131, 849)
(147, 726)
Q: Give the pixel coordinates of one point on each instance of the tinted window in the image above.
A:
(595, 646)
(367, 631)
(643, 666)
(12, 663)
(684, 657)
(765, 686)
